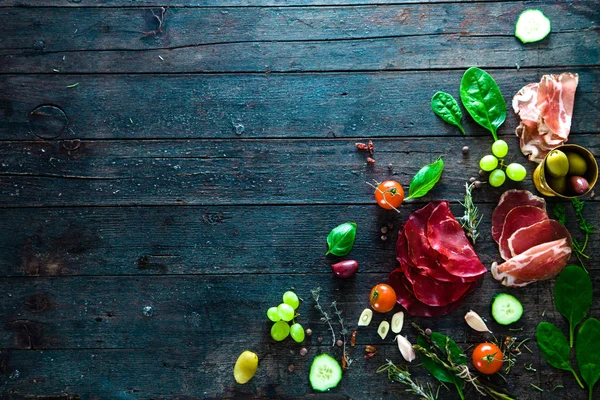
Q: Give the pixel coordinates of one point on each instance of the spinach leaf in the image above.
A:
(341, 239)
(573, 296)
(436, 369)
(447, 108)
(587, 352)
(425, 179)
(554, 347)
(482, 98)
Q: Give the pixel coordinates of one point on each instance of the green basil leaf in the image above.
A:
(438, 371)
(553, 346)
(458, 356)
(341, 239)
(425, 179)
(573, 296)
(587, 352)
(482, 99)
(447, 108)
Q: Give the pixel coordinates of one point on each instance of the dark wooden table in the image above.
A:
(167, 171)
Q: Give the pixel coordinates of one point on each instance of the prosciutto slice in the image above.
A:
(545, 109)
(538, 233)
(517, 218)
(509, 200)
(540, 262)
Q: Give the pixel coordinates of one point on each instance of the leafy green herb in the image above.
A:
(341, 239)
(470, 221)
(539, 389)
(584, 226)
(573, 296)
(73, 85)
(560, 213)
(482, 99)
(400, 374)
(588, 352)
(447, 108)
(554, 347)
(425, 179)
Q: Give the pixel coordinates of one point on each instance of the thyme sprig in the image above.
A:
(470, 221)
(324, 316)
(400, 374)
(584, 226)
(343, 332)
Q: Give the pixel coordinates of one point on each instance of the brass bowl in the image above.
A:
(539, 175)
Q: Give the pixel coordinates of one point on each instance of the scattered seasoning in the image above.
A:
(384, 229)
(383, 238)
(536, 387)
(55, 70)
(529, 367)
(361, 146)
(73, 85)
(371, 147)
(465, 149)
(390, 226)
(370, 161)
(391, 168)
(308, 331)
(481, 172)
(370, 351)
(291, 368)
(161, 58)
(472, 179)
(130, 120)
(303, 351)
(344, 361)
(477, 184)
(543, 313)
(428, 332)
(339, 343)
(516, 329)
(320, 339)
(557, 387)
(353, 339)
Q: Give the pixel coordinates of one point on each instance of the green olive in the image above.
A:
(557, 164)
(577, 164)
(559, 185)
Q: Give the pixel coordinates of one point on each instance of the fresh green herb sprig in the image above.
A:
(586, 227)
(341, 239)
(400, 374)
(425, 179)
(470, 221)
(316, 293)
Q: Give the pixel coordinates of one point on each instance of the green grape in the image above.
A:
(290, 298)
(488, 163)
(273, 315)
(297, 332)
(516, 172)
(285, 312)
(497, 178)
(280, 330)
(500, 148)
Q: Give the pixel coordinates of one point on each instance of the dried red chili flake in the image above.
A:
(370, 161)
(361, 146)
(371, 147)
(353, 339)
(344, 361)
(370, 351)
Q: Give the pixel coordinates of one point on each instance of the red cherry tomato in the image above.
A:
(383, 298)
(389, 195)
(487, 358)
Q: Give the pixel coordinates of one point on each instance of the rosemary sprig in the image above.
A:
(470, 221)
(325, 317)
(400, 374)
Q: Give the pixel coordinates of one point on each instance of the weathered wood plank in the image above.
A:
(270, 105)
(210, 240)
(106, 313)
(223, 172)
(41, 30)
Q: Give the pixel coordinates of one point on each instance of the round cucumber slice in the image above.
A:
(325, 373)
(532, 26)
(506, 309)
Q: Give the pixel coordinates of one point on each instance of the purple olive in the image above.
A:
(579, 184)
(345, 269)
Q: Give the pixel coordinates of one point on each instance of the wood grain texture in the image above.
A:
(315, 106)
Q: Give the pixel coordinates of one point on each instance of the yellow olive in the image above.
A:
(245, 367)
(577, 164)
(557, 164)
(559, 185)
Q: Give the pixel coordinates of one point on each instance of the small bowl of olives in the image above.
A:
(568, 171)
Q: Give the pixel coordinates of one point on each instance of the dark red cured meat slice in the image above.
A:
(539, 233)
(517, 218)
(433, 292)
(406, 299)
(447, 238)
(509, 200)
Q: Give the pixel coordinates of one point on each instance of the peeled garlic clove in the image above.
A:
(405, 348)
(365, 317)
(384, 328)
(397, 322)
(476, 322)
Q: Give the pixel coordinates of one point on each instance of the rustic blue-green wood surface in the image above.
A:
(143, 238)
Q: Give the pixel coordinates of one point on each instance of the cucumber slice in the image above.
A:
(532, 26)
(325, 373)
(506, 309)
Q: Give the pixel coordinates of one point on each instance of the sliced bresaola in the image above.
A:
(509, 200)
(447, 238)
(433, 292)
(406, 298)
(517, 218)
(542, 232)
(540, 262)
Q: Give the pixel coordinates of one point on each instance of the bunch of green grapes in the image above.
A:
(495, 163)
(282, 315)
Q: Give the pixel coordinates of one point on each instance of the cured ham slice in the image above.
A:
(545, 109)
(447, 238)
(433, 292)
(538, 233)
(517, 218)
(509, 200)
(540, 262)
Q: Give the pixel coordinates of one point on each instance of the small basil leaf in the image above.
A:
(587, 352)
(447, 108)
(425, 179)
(573, 296)
(483, 100)
(341, 239)
(553, 346)
(438, 371)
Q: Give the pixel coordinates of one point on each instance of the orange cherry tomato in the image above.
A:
(389, 195)
(383, 298)
(487, 358)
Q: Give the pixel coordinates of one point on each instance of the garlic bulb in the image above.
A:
(476, 322)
